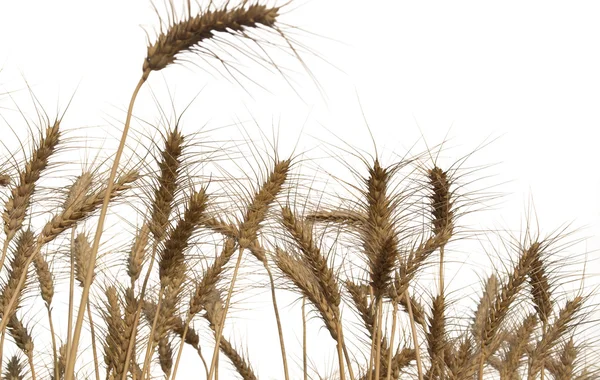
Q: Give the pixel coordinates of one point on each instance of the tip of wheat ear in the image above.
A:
(184, 35)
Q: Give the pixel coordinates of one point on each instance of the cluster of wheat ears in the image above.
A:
(397, 226)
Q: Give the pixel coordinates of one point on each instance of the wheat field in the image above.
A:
(168, 250)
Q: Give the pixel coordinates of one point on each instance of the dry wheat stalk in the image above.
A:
(184, 35)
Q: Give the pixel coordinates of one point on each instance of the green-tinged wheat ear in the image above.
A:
(135, 260)
(182, 36)
(15, 369)
(164, 193)
(20, 197)
(81, 250)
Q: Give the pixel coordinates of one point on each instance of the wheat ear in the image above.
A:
(20, 197)
(255, 214)
(14, 369)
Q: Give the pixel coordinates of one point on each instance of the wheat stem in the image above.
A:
(70, 370)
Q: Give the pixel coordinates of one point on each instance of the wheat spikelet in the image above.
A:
(191, 335)
(517, 347)
(129, 315)
(15, 369)
(459, 358)
(18, 202)
(4, 181)
(184, 35)
(167, 183)
(135, 259)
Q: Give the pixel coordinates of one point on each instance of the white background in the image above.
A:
(523, 74)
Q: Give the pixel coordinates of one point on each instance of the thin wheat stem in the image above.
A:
(219, 329)
(54, 350)
(70, 370)
(94, 351)
(304, 346)
(139, 310)
(378, 334)
(413, 328)
(391, 345)
(151, 342)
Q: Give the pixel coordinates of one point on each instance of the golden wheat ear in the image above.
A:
(15, 368)
(187, 34)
